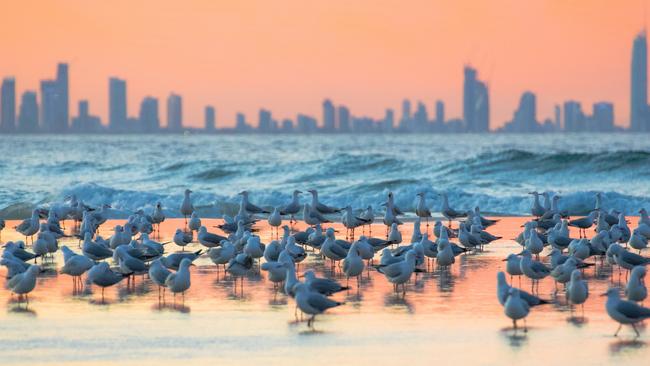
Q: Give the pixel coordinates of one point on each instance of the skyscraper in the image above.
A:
(639, 85)
(84, 122)
(329, 116)
(210, 119)
(574, 118)
(117, 105)
(525, 117)
(264, 122)
(603, 117)
(420, 118)
(344, 119)
(405, 121)
(62, 109)
(387, 123)
(174, 113)
(149, 117)
(28, 115)
(49, 103)
(8, 105)
(440, 112)
(476, 103)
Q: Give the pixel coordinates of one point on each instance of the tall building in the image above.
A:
(174, 113)
(8, 105)
(241, 125)
(558, 118)
(525, 116)
(149, 119)
(62, 109)
(344, 119)
(210, 119)
(49, 103)
(420, 119)
(264, 122)
(329, 116)
(306, 124)
(84, 122)
(405, 121)
(28, 115)
(639, 119)
(574, 118)
(117, 105)
(388, 121)
(603, 117)
(476, 103)
(440, 112)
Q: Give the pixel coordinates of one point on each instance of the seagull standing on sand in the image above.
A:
(353, 264)
(186, 206)
(102, 276)
(635, 289)
(195, 222)
(75, 265)
(577, 290)
(537, 210)
(399, 273)
(448, 212)
(23, 283)
(182, 238)
(275, 220)
(158, 274)
(351, 221)
(421, 209)
(249, 207)
(293, 208)
(515, 308)
(311, 302)
(584, 223)
(180, 281)
(208, 239)
(158, 216)
(313, 217)
(623, 311)
(30, 226)
(318, 206)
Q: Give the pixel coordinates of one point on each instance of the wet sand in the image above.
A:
(446, 317)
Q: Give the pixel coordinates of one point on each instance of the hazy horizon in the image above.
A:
(287, 56)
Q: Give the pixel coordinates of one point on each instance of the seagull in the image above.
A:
(623, 311)
(513, 266)
(390, 217)
(293, 207)
(313, 217)
(351, 221)
(195, 222)
(515, 308)
(101, 275)
(533, 269)
(331, 249)
(635, 289)
(417, 232)
(638, 241)
(272, 251)
(311, 302)
(277, 271)
(254, 247)
(158, 216)
(128, 264)
(626, 259)
(445, 256)
(182, 238)
(537, 209)
(421, 209)
(399, 273)
(319, 207)
(223, 254)
(249, 207)
(394, 236)
(503, 291)
(158, 274)
(186, 206)
(208, 239)
(95, 251)
(275, 219)
(24, 283)
(180, 281)
(30, 226)
(239, 267)
(584, 223)
(75, 265)
(323, 286)
(448, 212)
(296, 252)
(173, 260)
(353, 264)
(577, 290)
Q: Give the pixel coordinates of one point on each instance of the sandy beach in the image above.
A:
(446, 317)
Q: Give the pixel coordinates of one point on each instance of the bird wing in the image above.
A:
(540, 267)
(170, 279)
(632, 310)
(320, 302)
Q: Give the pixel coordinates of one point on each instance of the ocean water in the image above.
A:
(494, 171)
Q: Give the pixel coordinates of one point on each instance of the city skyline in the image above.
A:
(369, 55)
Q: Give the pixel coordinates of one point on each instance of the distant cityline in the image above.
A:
(52, 114)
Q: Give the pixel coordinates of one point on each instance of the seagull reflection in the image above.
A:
(396, 301)
(19, 309)
(577, 321)
(174, 307)
(626, 346)
(446, 281)
(515, 340)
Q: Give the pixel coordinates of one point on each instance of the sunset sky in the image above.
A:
(288, 55)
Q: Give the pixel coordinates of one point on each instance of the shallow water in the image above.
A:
(444, 318)
(493, 171)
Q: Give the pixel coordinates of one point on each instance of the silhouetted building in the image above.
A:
(639, 85)
(28, 115)
(344, 119)
(329, 116)
(287, 125)
(574, 118)
(388, 122)
(210, 119)
(476, 103)
(525, 116)
(174, 113)
(558, 118)
(406, 120)
(264, 122)
(440, 112)
(306, 124)
(84, 122)
(149, 118)
(241, 125)
(62, 109)
(117, 105)
(603, 117)
(49, 104)
(8, 105)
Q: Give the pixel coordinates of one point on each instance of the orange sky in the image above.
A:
(288, 55)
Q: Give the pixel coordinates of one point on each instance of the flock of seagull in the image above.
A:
(133, 251)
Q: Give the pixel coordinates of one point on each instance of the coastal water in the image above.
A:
(493, 171)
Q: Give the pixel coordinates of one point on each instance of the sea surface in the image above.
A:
(493, 171)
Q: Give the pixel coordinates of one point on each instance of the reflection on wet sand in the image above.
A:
(441, 309)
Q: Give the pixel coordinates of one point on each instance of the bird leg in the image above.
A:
(635, 330)
(618, 330)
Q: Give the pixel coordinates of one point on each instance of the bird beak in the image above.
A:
(605, 294)
(193, 265)
(504, 260)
